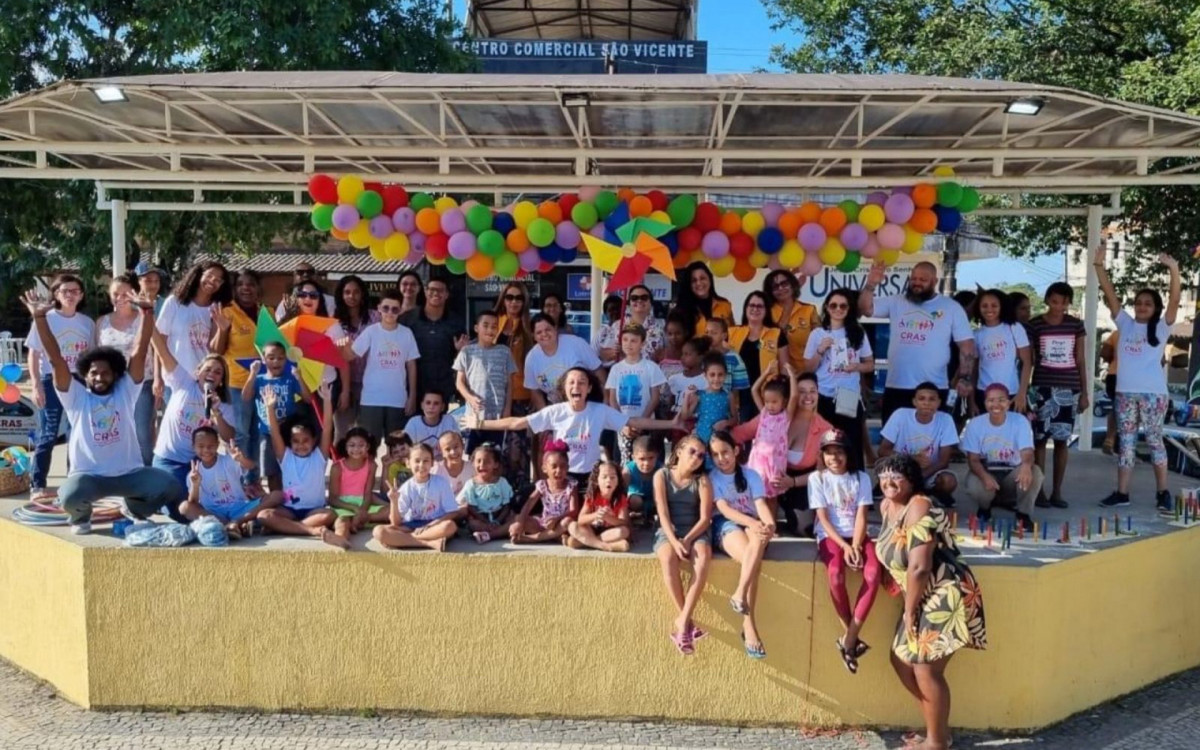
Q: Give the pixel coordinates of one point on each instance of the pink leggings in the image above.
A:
(835, 561)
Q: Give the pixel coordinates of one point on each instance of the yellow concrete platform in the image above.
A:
(563, 633)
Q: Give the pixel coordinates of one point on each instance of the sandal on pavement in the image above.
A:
(739, 606)
(754, 651)
(482, 537)
(697, 633)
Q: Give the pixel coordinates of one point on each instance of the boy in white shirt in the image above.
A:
(929, 436)
(483, 375)
(633, 384)
(391, 354)
(999, 448)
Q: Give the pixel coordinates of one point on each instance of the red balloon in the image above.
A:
(543, 267)
(323, 188)
(566, 203)
(658, 199)
(741, 245)
(522, 273)
(376, 186)
(437, 245)
(394, 197)
(689, 239)
(708, 217)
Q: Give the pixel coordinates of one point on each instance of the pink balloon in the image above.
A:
(771, 213)
(597, 230)
(898, 208)
(380, 227)
(453, 222)
(890, 236)
(715, 244)
(414, 255)
(854, 236)
(529, 260)
(345, 217)
(811, 265)
(416, 242)
(566, 234)
(466, 205)
(774, 264)
(404, 220)
(588, 192)
(877, 198)
(812, 237)
(462, 244)
(871, 249)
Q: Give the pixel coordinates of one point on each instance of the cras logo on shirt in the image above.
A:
(106, 423)
(996, 349)
(198, 335)
(915, 327)
(389, 356)
(1134, 346)
(578, 439)
(999, 450)
(72, 345)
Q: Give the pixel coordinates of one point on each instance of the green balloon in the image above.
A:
(540, 232)
(322, 217)
(417, 201)
(949, 194)
(850, 262)
(456, 266)
(606, 202)
(491, 243)
(584, 215)
(970, 200)
(682, 210)
(507, 265)
(369, 204)
(479, 219)
(850, 208)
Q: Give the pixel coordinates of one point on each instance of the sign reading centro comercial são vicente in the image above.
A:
(564, 56)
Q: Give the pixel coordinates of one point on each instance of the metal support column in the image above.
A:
(119, 214)
(1091, 299)
(597, 301)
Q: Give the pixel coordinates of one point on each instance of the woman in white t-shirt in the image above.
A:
(839, 353)
(1142, 397)
(74, 332)
(187, 317)
(119, 329)
(556, 353)
(1003, 349)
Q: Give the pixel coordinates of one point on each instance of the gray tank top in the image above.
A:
(683, 503)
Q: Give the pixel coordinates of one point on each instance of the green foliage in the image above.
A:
(1037, 305)
(42, 41)
(1145, 51)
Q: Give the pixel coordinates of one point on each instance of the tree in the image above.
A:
(1037, 305)
(46, 40)
(1144, 51)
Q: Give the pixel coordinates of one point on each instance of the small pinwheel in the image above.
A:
(304, 337)
(639, 251)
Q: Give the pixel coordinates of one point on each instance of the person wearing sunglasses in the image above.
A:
(304, 273)
(639, 311)
(390, 351)
(796, 319)
(309, 299)
(839, 353)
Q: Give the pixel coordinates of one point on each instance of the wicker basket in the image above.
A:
(10, 483)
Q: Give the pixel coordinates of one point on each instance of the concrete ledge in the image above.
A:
(576, 634)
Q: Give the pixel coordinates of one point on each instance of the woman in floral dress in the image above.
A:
(943, 607)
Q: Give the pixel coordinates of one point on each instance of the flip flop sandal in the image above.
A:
(683, 642)
(697, 633)
(848, 659)
(482, 537)
(754, 652)
(235, 533)
(860, 649)
(912, 739)
(739, 606)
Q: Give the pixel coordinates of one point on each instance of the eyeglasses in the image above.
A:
(70, 291)
(308, 295)
(389, 308)
(781, 284)
(513, 298)
(756, 306)
(435, 290)
(639, 298)
(891, 476)
(837, 306)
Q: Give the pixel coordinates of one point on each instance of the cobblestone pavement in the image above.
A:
(1165, 716)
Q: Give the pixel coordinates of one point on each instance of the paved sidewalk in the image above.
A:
(1165, 716)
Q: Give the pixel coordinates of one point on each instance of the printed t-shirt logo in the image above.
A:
(919, 442)
(995, 349)
(915, 327)
(1134, 346)
(198, 335)
(578, 438)
(106, 422)
(629, 390)
(389, 356)
(998, 451)
(72, 344)
(1058, 351)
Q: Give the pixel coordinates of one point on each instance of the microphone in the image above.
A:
(208, 392)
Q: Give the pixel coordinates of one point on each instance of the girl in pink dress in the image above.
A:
(768, 454)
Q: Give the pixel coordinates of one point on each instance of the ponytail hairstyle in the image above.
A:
(1152, 321)
(739, 476)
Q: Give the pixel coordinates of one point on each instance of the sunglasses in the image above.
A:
(639, 298)
(389, 308)
(308, 295)
(837, 306)
(513, 298)
(694, 452)
(305, 272)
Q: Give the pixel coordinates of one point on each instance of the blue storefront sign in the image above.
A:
(586, 56)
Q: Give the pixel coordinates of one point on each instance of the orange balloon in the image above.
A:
(731, 223)
(810, 212)
(681, 259)
(790, 224)
(640, 206)
(923, 220)
(429, 221)
(339, 234)
(924, 195)
(551, 211)
(833, 219)
(517, 240)
(743, 271)
(626, 194)
(479, 266)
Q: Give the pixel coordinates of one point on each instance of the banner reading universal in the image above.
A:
(586, 56)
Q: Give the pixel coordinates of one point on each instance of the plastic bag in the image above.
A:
(210, 532)
(150, 534)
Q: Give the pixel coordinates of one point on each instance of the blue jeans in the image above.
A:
(145, 491)
(49, 420)
(178, 471)
(244, 417)
(143, 418)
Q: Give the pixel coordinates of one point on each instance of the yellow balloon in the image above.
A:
(833, 252)
(396, 246)
(523, 213)
(888, 257)
(440, 261)
(753, 223)
(759, 259)
(698, 256)
(871, 217)
(348, 189)
(722, 267)
(360, 236)
(444, 204)
(791, 254)
(661, 216)
(378, 252)
(913, 240)
(944, 170)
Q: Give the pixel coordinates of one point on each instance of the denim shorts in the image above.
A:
(721, 527)
(660, 538)
(232, 512)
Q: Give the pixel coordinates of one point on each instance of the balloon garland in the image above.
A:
(474, 239)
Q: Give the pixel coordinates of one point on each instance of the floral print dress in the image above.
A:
(951, 611)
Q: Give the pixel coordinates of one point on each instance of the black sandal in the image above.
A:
(847, 658)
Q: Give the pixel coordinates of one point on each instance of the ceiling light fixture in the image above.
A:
(1028, 106)
(110, 94)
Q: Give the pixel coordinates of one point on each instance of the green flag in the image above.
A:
(267, 331)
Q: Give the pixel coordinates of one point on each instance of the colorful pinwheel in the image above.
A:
(308, 346)
(640, 250)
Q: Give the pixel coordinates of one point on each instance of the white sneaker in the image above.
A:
(79, 529)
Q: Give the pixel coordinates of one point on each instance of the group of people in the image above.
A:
(758, 422)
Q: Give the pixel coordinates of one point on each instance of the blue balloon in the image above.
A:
(568, 254)
(11, 372)
(770, 240)
(671, 240)
(948, 219)
(503, 223)
(551, 253)
(618, 217)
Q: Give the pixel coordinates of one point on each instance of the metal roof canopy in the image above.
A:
(582, 19)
